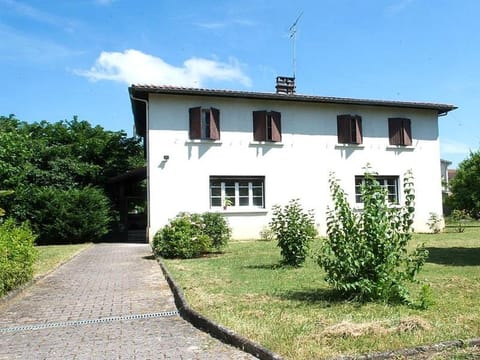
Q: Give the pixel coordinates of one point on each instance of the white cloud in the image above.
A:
(135, 67)
(453, 147)
(398, 6)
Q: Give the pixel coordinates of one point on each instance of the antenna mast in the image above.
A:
(293, 35)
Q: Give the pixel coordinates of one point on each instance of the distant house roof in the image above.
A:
(141, 92)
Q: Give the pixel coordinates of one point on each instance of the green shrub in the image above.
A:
(459, 217)
(183, 237)
(294, 229)
(216, 227)
(17, 255)
(365, 255)
(434, 223)
(71, 216)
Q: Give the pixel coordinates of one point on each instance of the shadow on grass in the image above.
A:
(313, 296)
(454, 256)
(265, 266)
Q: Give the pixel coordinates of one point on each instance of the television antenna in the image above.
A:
(293, 36)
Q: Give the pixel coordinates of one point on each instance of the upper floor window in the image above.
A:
(390, 183)
(400, 131)
(204, 123)
(349, 129)
(267, 126)
(237, 191)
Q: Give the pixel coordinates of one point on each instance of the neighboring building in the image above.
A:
(240, 153)
(444, 164)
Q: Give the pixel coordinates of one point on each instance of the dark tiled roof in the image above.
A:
(141, 91)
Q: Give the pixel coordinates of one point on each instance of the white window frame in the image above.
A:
(226, 181)
(383, 180)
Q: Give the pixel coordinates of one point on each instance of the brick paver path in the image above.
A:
(109, 302)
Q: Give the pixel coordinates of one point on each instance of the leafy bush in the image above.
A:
(71, 216)
(17, 255)
(216, 227)
(294, 229)
(191, 235)
(434, 223)
(365, 255)
(267, 234)
(459, 217)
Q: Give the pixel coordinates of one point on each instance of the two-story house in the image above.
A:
(240, 152)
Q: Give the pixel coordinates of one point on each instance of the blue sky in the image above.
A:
(78, 57)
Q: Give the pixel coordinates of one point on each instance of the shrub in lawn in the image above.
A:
(365, 255)
(294, 229)
(17, 255)
(216, 227)
(71, 216)
(434, 223)
(183, 237)
(459, 217)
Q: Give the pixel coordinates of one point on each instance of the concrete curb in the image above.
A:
(220, 332)
(20, 289)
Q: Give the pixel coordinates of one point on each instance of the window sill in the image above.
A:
(400, 148)
(234, 211)
(203, 141)
(266, 143)
(349, 146)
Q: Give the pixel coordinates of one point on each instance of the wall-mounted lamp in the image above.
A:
(166, 157)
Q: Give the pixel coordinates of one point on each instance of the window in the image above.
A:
(349, 129)
(267, 126)
(237, 192)
(399, 131)
(204, 123)
(388, 182)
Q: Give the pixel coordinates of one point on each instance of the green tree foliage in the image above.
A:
(465, 186)
(365, 255)
(45, 157)
(294, 230)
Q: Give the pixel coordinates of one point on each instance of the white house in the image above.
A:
(240, 153)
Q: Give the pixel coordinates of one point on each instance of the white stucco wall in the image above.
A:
(297, 168)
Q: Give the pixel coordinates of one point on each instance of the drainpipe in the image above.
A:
(147, 145)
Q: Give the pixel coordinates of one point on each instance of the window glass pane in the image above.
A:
(216, 191)
(216, 201)
(258, 201)
(243, 201)
(243, 189)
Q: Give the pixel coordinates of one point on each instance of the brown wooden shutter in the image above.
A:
(214, 124)
(358, 130)
(407, 132)
(394, 131)
(195, 131)
(259, 125)
(276, 126)
(343, 129)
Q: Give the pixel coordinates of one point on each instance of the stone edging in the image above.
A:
(18, 290)
(220, 332)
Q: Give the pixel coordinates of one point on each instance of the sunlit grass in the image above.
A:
(51, 256)
(294, 313)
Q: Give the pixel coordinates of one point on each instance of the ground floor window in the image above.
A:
(237, 191)
(388, 182)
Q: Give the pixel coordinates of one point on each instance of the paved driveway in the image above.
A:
(109, 302)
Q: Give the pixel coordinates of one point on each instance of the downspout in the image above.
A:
(147, 145)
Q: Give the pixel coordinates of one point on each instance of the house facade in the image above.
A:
(240, 153)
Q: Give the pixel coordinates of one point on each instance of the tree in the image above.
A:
(44, 158)
(365, 255)
(465, 186)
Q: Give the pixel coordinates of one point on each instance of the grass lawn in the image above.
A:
(294, 313)
(50, 256)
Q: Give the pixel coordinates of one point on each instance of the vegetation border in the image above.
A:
(20, 289)
(222, 333)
